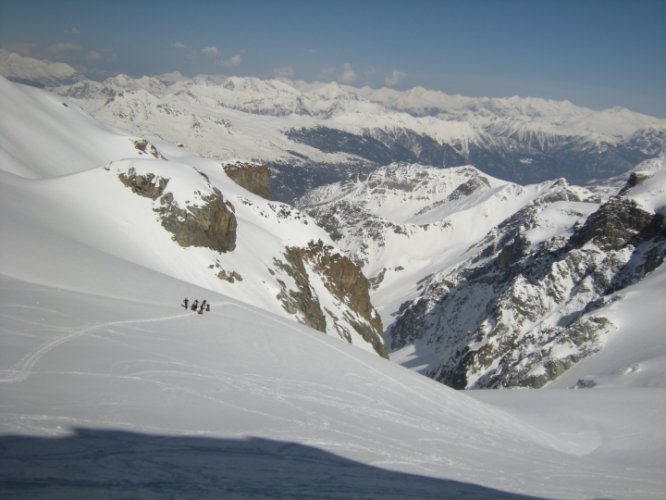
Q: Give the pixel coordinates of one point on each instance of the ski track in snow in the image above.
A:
(25, 366)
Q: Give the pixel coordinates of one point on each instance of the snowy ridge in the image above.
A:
(297, 126)
(119, 221)
(485, 283)
(406, 222)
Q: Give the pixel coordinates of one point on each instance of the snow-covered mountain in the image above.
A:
(109, 389)
(311, 134)
(485, 283)
(167, 209)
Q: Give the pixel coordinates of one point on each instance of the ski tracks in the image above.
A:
(25, 366)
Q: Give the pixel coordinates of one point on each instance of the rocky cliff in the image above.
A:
(485, 283)
(343, 279)
(210, 223)
(255, 178)
(520, 312)
(316, 284)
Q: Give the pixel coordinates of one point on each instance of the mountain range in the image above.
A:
(454, 242)
(143, 196)
(311, 134)
(483, 283)
(108, 386)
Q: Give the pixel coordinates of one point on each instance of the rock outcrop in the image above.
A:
(343, 279)
(148, 185)
(210, 223)
(614, 225)
(520, 312)
(255, 178)
(145, 147)
(301, 301)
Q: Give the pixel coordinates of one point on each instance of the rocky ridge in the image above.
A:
(210, 223)
(483, 283)
(346, 283)
(253, 177)
(520, 312)
(315, 283)
(311, 134)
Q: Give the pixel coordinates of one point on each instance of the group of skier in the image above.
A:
(196, 306)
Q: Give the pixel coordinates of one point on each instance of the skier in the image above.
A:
(195, 304)
(207, 307)
(185, 301)
(201, 309)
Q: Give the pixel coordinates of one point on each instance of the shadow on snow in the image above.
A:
(118, 464)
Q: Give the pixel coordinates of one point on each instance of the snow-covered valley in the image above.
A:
(110, 388)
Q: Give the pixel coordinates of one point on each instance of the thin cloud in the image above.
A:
(394, 78)
(233, 61)
(286, 72)
(62, 48)
(178, 45)
(346, 74)
(72, 31)
(23, 48)
(94, 55)
(210, 51)
(105, 55)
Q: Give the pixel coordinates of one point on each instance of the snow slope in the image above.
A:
(78, 161)
(108, 388)
(634, 354)
(63, 147)
(475, 278)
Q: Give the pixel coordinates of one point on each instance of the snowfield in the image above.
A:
(110, 389)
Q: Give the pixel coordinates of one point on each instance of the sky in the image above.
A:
(594, 53)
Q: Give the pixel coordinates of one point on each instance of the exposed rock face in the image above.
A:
(303, 300)
(254, 178)
(145, 147)
(148, 185)
(635, 178)
(229, 276)
(520, 313)
(211, 224)
(344, 280)
(613, 225)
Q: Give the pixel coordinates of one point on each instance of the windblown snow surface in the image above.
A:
(110, 389)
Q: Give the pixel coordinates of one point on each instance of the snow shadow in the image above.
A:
(96, 464)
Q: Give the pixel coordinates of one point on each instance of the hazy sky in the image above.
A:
(595, 53)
